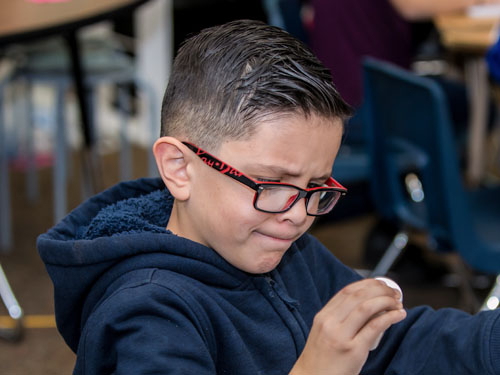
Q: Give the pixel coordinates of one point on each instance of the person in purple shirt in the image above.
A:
(344, 32)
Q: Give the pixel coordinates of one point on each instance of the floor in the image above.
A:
(42, 351)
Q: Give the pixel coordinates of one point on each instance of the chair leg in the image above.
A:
(125, 152)
(154, 131)
(92, 174)
(13, 333)
(391, 254)
(5, 221)
(31, 172)
(492, 301)
(154, 121)
(59, 174)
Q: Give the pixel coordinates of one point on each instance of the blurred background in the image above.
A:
(81, 84)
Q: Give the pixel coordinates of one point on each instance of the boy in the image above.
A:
(208, 270)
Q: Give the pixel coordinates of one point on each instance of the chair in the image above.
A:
(407, 118)
(352, 167)
(104, 63)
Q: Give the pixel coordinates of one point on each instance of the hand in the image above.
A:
(347, 327)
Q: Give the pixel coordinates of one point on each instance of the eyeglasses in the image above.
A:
(278, 197)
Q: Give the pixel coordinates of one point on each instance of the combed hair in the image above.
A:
(229, 78)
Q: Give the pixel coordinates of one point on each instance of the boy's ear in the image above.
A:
(172, 165)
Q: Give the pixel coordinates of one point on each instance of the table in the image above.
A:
(27, 20)
(472, 36)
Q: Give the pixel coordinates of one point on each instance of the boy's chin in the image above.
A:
(265, 265)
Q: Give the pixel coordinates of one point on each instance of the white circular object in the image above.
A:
(392, 284)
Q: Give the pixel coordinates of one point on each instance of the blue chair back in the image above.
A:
(407, 119)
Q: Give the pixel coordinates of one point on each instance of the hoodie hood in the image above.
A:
(115, 232)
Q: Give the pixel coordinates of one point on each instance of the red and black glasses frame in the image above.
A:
(332, 186)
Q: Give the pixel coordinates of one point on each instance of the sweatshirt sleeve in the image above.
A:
(144, 328)
(446, 341)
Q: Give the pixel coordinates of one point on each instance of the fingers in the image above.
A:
(348, 326)
(370, 309)
(358, 304)
(350, 297)
(371, 332)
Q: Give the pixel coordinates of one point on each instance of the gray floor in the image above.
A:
(42, 351)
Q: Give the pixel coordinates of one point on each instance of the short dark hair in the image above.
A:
(228, 78)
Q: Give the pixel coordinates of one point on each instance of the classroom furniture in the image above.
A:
(6, 294)
(407, 118)
(105, 62)
(352, 167)
(47, 60)
(5, 224)
(14, 332)
(22, 21)
(469, 36)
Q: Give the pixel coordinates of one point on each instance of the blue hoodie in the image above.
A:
(133, 298)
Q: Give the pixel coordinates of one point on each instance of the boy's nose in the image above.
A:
(297, 214)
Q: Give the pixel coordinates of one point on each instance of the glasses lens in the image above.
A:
(275, 198)
(321, 202)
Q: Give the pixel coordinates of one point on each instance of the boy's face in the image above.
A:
(220, 213)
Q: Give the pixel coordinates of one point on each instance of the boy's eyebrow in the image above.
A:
(281, 171)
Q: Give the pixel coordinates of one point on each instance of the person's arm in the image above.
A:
(445, 341)
(144, 329)
(416, 10)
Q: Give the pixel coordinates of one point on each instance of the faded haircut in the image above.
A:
(228, 79)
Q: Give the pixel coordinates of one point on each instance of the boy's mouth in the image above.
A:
(281, 238)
